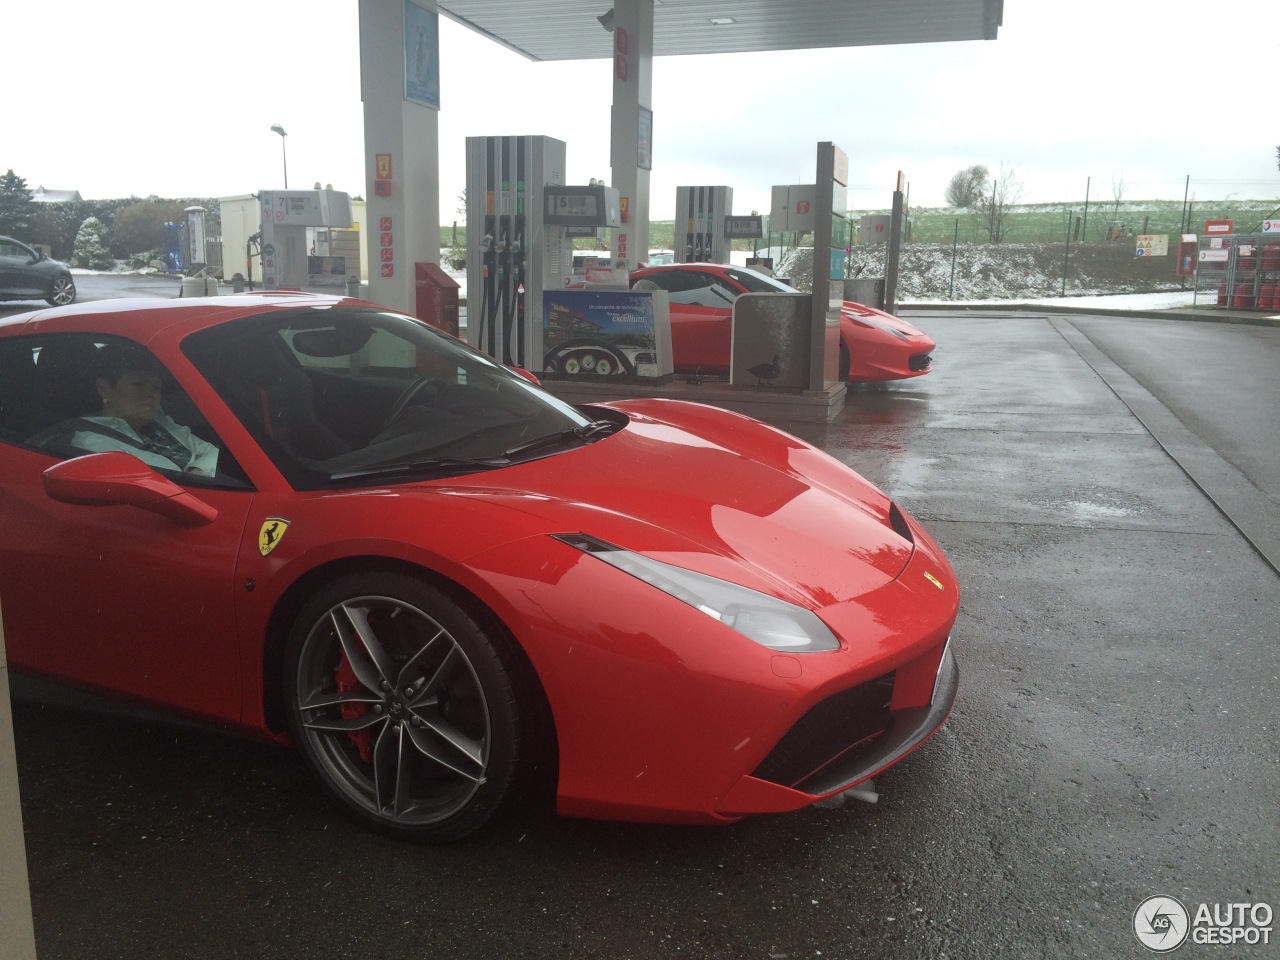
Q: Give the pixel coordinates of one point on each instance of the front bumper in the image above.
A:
(843, 740)
(920, 362)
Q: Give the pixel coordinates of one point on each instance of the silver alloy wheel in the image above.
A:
(395, 715)
(62, 291)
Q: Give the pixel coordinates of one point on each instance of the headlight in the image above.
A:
(880, 325)
(767, 620)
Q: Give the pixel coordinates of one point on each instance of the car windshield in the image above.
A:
(759, 283)
(343, 395)
(713, 287)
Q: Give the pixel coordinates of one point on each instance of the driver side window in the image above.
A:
(72, 394)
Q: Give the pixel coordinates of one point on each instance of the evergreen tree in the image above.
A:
(92, 249)
(57, 224)
(15, 206)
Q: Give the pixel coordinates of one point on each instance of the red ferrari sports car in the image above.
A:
(874, 345)
(311, 519)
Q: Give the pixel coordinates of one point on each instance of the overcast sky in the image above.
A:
(123, 99)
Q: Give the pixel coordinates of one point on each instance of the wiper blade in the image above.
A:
(585, 434)
(430, 466)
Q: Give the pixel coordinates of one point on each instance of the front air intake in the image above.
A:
(830, 737)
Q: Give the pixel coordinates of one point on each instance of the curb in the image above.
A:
(1174, 313)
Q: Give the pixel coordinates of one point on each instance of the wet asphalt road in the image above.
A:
(1115, 735)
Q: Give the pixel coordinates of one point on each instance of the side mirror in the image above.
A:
(115, 478)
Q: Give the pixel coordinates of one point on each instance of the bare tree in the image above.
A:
(993, 207)
(967, 186)
(1114, 228)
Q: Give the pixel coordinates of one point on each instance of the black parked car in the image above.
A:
(27, 274)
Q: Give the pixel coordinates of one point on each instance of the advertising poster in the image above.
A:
(421, 55)
(606, 333)
(644, 159)
(326, 271)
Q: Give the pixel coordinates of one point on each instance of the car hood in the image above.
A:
(713, 492)
(858, 311)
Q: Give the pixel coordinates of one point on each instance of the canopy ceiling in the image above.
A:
(571, 30)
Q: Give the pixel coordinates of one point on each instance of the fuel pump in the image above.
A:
(511, 257)
(584, 211)
(601, 327)
(286, 215)
(703, 210)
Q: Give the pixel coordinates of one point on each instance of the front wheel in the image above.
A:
(61, 292)
(402, 705)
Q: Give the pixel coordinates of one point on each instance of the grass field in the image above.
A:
(1027, 223)
(1048, 222)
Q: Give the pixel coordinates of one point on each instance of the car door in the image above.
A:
(117, 597)
(701, 318)
(13, 258)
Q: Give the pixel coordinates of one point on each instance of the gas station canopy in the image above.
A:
(401, 127)
(572, 29)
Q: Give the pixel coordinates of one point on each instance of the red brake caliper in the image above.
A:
(345, 677)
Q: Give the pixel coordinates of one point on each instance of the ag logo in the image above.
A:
(271, 533)
(1161, 924)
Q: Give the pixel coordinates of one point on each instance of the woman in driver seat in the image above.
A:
(128, 381)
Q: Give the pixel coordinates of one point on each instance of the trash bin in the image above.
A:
(353, 286)
(868, 291)
(437, 297)
(237, 283)
(192, 287)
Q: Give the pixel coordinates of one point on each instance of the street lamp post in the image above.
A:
(276, 128)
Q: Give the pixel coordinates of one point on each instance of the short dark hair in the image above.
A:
(114, 360)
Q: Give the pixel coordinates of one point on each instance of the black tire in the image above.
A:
(844, 361)
(62, 291)
(403, 706)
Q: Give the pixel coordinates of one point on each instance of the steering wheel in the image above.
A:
(416, 390)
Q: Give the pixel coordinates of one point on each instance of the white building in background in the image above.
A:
(41, 195)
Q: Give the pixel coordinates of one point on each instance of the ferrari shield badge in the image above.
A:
(271, 533)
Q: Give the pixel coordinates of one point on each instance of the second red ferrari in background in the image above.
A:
(874, 345)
